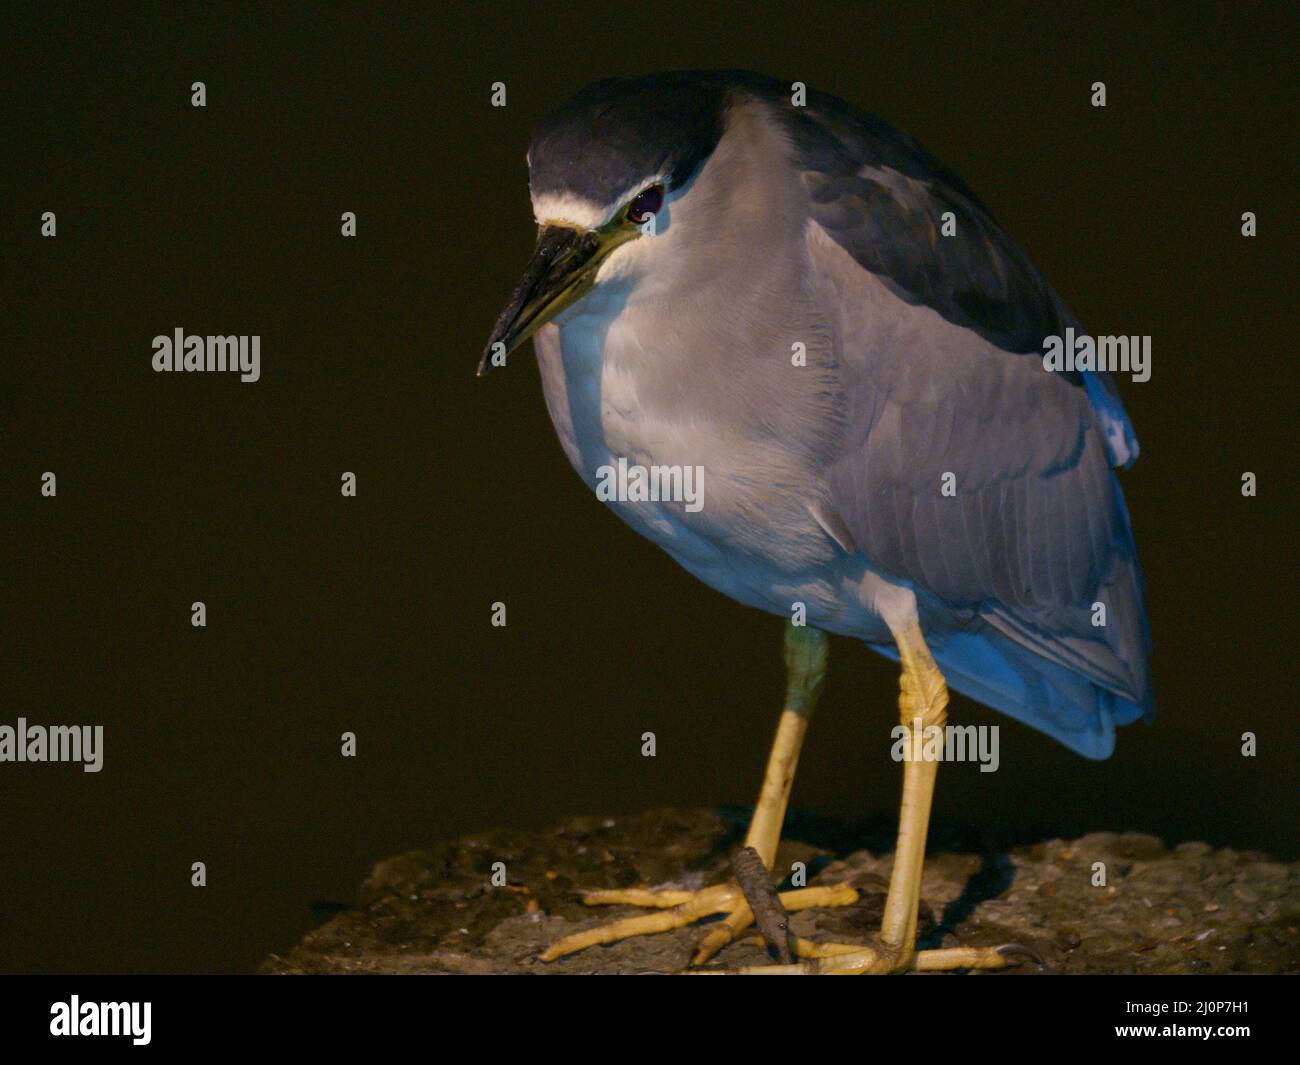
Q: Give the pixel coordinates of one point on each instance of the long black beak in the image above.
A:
(562, 270)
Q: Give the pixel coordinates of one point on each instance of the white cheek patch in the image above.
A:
(561, 207)
(564, 207)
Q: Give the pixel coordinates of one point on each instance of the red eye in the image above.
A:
(647, 203)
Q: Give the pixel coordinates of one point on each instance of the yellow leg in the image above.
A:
(805, 658)
(922, 703)
(805, 663)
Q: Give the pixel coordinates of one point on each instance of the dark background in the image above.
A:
(371, 614)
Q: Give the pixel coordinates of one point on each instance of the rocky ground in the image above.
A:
(1190, 909)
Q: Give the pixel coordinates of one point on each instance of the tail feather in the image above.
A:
(985, 664)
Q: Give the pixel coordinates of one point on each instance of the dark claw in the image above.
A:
(1011, 950)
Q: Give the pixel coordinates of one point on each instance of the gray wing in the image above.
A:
(966, 467)
(882, 197)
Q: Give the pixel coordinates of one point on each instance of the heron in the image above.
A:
(799, 300)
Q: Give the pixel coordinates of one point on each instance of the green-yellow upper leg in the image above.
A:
(806, 651)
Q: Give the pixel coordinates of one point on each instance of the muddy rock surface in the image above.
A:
(1185, 909)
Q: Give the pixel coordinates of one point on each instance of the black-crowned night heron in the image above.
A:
(801, 302)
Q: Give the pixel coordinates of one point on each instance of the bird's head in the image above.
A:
(611, 175)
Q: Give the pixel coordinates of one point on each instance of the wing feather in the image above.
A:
(939, 341)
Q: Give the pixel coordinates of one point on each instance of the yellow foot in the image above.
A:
(846, 959)
(680, 908)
